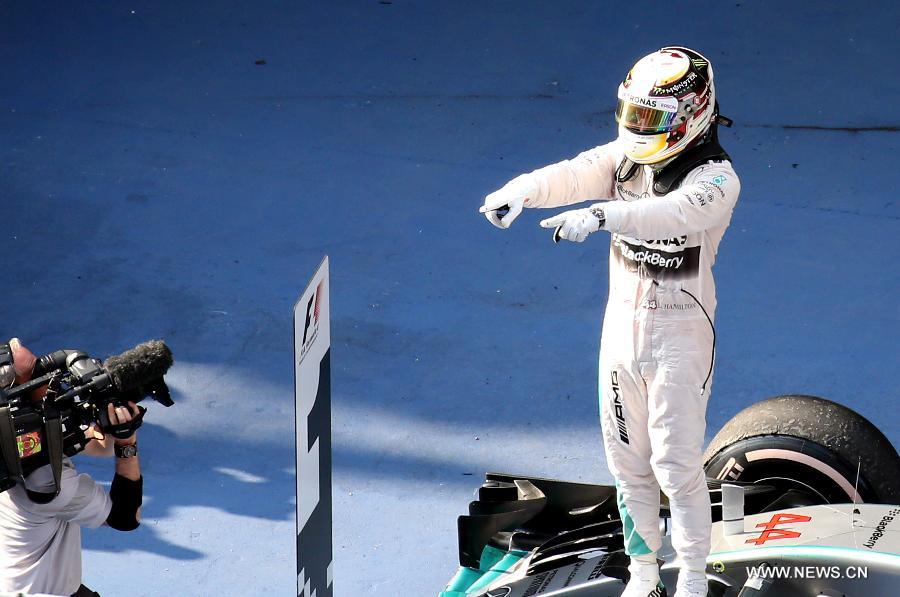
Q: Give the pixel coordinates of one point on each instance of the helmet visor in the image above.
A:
(647, 114)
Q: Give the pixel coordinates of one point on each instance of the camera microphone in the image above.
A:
(133, 368)
(145, 363)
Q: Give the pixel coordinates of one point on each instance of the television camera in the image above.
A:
(45, 418)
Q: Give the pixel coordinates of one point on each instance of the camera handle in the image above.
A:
(122, 430)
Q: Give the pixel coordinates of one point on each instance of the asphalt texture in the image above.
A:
(177, 170)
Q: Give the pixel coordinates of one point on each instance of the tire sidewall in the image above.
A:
(792, 463)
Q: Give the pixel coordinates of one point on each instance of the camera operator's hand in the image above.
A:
(119, 415)
(102, 445)
(23, 363)
(23, 360)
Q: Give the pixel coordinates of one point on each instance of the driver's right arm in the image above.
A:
(589, 175)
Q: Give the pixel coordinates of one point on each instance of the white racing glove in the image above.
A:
(575, 225)
(503, 206)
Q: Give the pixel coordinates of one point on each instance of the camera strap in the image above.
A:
(53, 440)
(8, 445)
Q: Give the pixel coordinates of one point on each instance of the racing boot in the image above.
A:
(644, 581)
(691, 583)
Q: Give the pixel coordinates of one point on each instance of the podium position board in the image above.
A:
(312, 393)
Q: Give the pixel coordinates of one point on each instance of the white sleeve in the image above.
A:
(706, 201)
(589, 175)
(89, 506)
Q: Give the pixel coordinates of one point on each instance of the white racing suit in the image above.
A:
(658, 341)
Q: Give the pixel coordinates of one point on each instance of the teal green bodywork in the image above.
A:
(492, 565)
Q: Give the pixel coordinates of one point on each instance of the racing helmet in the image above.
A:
(666, 102)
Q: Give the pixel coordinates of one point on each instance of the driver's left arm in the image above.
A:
(705, 202)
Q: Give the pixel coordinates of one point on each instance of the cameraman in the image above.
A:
(40, 543)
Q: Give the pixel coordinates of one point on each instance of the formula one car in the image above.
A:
(804, 493)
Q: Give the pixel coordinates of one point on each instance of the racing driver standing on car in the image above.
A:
(668, 191)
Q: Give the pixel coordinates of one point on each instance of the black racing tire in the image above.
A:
(808, 444)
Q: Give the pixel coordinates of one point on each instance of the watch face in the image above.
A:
(126, 451)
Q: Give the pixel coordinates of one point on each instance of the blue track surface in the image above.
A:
(157, 182)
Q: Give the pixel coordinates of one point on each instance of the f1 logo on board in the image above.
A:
(770, 531)
(501, 592)
(311, 325)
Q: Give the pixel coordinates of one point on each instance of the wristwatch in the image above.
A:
(126, 451)
(598, 213)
